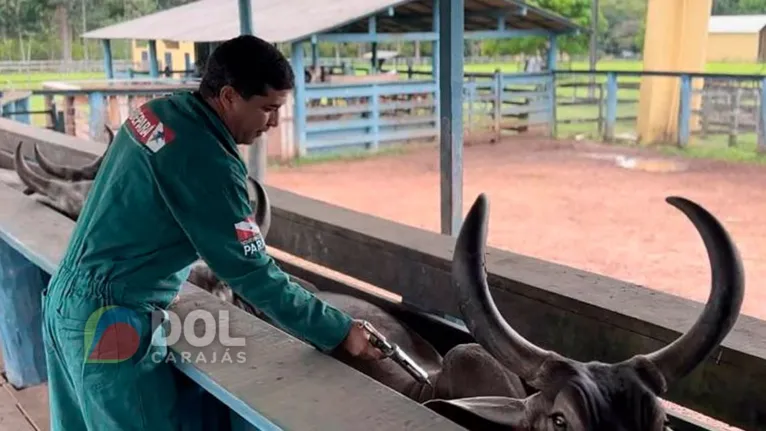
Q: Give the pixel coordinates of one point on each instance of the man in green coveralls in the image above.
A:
(172, 188)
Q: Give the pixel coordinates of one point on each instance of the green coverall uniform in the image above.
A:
(172, 188)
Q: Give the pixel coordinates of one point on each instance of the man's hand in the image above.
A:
(357, 343)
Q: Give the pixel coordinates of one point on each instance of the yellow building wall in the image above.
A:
(733, 47)
(675, 40)
(176, 49)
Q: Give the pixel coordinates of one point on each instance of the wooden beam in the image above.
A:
(270, 377)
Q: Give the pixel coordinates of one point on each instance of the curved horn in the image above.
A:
(262, 207)
(723, 305)
(39, 184)
(109, 132)
(87, 172)
(482, 317)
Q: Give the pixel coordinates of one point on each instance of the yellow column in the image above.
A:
(675, 41)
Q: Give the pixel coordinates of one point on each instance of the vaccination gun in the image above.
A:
(396, 354)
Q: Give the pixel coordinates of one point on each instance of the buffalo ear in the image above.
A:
(484, 413)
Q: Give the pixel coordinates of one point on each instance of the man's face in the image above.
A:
(248, 119)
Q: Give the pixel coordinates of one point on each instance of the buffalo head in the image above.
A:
(572, 395)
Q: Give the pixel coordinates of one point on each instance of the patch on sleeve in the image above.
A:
(249, 235)
(149, 130)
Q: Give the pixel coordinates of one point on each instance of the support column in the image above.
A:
(451, 27)
(314, 54)
(256, 152)
(374, 58)
(108, 67)
(21, 287)
(245, 17)
(553, 52)
(154, 69)
(675, 40)
(299, 99)
(434, 57)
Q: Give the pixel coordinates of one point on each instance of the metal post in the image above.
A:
(685, 111)
(451, 25)
(593, 47)
(434, 57)
(108, 68)
(154, 70)
(245, 17)
(256, 154)
(611, 106)
(299, 96)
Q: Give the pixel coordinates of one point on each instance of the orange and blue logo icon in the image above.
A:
(111, 335)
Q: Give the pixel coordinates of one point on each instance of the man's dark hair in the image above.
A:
(248, 64)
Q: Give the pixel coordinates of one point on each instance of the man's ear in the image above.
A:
(228, 95)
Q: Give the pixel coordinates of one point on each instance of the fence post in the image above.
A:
(684, 111)
(611, 106)
(762, 119)
(552, 129)
(23, 105)
(96, 120)
(734, 129)
(498, 102)
(375, 117)
(21, 287)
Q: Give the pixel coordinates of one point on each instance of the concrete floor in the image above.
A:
(22, 410)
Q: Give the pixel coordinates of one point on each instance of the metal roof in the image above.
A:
(280, 21)
(736, 23)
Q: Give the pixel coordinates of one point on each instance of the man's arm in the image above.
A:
(211, 204)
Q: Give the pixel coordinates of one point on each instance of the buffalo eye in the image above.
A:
(559, 421)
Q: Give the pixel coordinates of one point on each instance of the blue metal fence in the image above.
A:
(713, 109)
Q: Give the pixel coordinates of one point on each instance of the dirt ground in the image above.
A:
(570, 203)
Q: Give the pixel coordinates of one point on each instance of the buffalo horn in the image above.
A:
(723, 305)
(39, 184)
(482, 317)
(262, 207)
(87, 172)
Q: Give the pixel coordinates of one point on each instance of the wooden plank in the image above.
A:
(37, 232)
(281, 377)
(293, 385)
(32, 403)
(11, 417)
(545, 302)
(58, 147)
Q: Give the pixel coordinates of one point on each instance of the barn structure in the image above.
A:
(737, 38)
(342, 111)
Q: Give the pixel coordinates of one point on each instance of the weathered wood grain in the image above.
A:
(294, 385)
(283, 379)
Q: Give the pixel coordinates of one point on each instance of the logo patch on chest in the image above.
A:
(149, 130)
(249, 235)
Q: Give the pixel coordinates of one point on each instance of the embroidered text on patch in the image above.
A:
(149, 130)
(249, 235)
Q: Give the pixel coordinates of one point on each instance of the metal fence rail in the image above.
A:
(714, 110)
